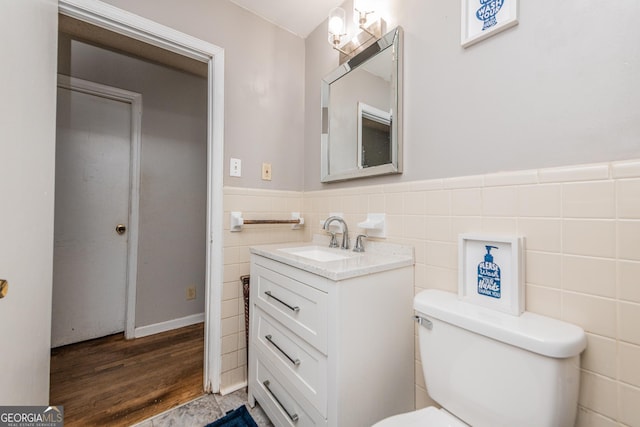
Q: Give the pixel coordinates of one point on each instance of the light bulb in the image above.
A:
(336, 25)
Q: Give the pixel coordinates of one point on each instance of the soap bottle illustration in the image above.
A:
(489, 275)
(488, 11)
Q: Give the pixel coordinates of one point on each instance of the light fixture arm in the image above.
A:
(367, 30)
(362, 17)
(336, 40)
(344, 52)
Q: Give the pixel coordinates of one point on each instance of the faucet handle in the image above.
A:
(359, 247)
(334, 242)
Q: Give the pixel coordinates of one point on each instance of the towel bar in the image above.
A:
(236, 221)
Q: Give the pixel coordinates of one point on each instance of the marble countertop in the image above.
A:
(378, 256)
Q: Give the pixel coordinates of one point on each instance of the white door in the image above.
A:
(29, 30)
(93, 146)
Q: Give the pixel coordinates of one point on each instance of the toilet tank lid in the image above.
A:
(530, 331)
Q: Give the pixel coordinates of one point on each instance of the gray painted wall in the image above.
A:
(264, 85)
(173, 182)
(560, 88)
(557, 89)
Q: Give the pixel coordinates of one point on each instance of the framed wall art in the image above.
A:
(484, 18)
(491, 271)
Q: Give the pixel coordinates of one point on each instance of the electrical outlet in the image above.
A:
(235, 167)
(191, 292)
(266, 171)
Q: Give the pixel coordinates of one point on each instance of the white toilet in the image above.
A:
(491, 369)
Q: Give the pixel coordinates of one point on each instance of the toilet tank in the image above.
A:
(493, 369)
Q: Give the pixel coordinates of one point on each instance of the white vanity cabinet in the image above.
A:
(330, 352)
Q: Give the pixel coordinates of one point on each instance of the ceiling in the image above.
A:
(300, 17)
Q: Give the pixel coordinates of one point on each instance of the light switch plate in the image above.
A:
(235, 167)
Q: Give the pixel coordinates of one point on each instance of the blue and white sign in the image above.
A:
(489, 275)
(483, 18)
(488, 11)
(491, 271)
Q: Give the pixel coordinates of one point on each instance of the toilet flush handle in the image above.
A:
(423, 321)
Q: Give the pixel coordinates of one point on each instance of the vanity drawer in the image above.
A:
(303, 365)
(299, 307)
(280, 402)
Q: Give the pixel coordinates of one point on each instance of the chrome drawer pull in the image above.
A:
(293, 417)
(296, 308)
(294, 361)
(423, 321)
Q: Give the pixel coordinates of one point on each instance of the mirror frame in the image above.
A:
(392, 40)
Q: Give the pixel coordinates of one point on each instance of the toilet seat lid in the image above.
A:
(429, 416)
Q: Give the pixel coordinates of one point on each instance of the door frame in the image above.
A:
(128, 24)
(135, 101)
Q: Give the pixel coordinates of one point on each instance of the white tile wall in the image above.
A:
(599, 393)
(543, 269)
(587, 418)
(545, 301)
(629, 366)
(629, 398)
(596, 315)
(539, 201)
(600, 357)
(595, 276)
(628, 238)
(254, 204)
(582, 230)
(629, 281)
(628, 200)
(500, 201)
(589, 237)
(589, 200)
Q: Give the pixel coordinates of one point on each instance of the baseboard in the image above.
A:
(144, 331)
(232, 388)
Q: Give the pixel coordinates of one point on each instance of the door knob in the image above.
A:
(121, 228)
(4, 288)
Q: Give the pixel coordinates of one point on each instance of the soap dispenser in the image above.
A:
(489, 275)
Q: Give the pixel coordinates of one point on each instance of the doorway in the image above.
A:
(159, 36)
(95, 162)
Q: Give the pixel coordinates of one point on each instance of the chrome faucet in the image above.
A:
(345, 231)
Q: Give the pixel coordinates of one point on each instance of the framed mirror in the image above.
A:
(362, 113)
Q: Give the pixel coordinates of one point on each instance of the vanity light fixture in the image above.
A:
(370, 29)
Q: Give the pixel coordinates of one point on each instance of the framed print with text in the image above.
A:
(491, 271)
(484, 18)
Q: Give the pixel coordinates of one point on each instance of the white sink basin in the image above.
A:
(318, 253)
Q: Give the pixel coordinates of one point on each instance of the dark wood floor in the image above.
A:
(114, 382)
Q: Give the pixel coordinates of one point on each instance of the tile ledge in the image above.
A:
(590, 172)
(503, 179)
(460, 182)
(625, 169)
